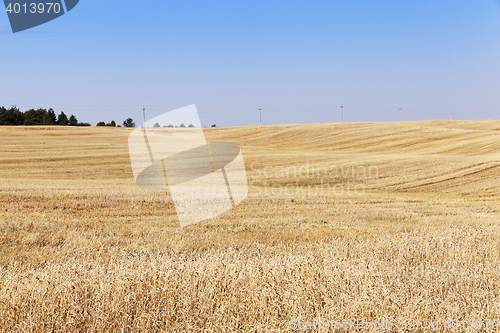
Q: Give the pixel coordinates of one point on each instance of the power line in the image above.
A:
(234, 111)
(323, 110)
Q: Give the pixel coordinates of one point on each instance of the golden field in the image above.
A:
(404, 229)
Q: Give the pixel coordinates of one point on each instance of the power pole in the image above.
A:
(400, 115)
(144, 119)
(489, 117)
(450, 115)
(342, 113)
(260, 116)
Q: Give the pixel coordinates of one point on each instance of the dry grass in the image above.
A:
(84, 249)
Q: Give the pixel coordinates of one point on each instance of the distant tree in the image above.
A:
(46, 121)
(17, 116)
(51, 115)
(11, 116)
(3, 115)
(29, 117)
(191, 125)
(170, 125)
(214, 125)
(62, 119)
(129, 122)
(73, 121)
(83, 124)
(156, 125)
(182, 125)
(35, 117)
(118, 125)
(111, 124)
(101, 123)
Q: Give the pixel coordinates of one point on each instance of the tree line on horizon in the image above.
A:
(15, 117)
(129, 122)
(170, 125)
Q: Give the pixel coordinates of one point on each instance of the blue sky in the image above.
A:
(299, 60)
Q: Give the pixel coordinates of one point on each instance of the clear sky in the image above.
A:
(299, 60)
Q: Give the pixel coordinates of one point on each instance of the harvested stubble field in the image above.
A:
(378, 221)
